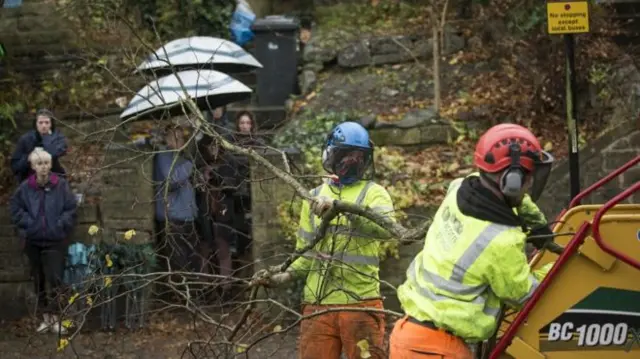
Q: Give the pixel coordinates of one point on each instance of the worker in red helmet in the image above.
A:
(473, 260)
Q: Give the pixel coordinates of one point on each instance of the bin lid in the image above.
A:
(276, 23)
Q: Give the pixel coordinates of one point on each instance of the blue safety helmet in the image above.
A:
(348, 152)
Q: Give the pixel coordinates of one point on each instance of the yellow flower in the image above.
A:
(129, 234)
(107, 259)
(241, 348)
(107, 281)
(73, 298)
(89, 301)
(67, 323)
(62, 343)
(93, 230)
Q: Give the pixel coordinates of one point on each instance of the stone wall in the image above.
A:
(269, 245)
(35, 31)
(125, 202)
(610, 151)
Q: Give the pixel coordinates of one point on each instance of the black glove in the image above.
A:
(540, 236)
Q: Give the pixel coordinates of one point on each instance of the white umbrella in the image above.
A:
(199, 52)
(208, 88)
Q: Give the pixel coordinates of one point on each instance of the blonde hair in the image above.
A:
(39, 154)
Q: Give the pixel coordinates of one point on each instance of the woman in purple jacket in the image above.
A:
(43, 209)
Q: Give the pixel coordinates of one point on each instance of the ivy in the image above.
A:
(308, 133)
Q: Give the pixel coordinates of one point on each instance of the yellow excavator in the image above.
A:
(588, 306)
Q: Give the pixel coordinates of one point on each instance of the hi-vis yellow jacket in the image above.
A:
(466, 270)
(343, 267)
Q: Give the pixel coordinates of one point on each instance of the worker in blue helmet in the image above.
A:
(342, 269)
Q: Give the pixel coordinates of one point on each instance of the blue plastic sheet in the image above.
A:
(12, 3)
(241, 21)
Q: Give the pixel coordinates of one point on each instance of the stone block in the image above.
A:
(87, 213)
(356, 54)
(14, 267)
(614, 160)
(630, 177)
(128, 210)
(33, 23)
(38, 8)
(38, 38)
(634, 140)
(390, 45)
(10, 243)
(81, 234)
(83, 128)
(8, 25)
(120, 175)
(113, 236)
(422, 135)
(17, 299)
(393, 271)
(10, 13)
(269, 246)
(622, 144)
(145, 224)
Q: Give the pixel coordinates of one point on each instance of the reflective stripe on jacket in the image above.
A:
(466, 269)
(343, 267)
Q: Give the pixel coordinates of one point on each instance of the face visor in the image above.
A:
(541, 175)
(349, 163)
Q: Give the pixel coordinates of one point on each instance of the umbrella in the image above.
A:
(199, 52)
(208, 88)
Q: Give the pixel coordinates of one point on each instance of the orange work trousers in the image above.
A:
(327, 335)
(414, 341)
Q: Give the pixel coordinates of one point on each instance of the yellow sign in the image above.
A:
(568, 17)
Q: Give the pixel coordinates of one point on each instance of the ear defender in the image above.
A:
(512, 182)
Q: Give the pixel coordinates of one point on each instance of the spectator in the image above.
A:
(215, 199)
(176, 208)
(220, 121)
(247, 130)
(45, 135)
(246, 137)
(222, 185)
(43, 209)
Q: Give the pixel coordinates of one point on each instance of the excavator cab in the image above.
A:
(588, 306)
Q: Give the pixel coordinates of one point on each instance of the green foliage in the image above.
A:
(8, 111)
(365, 17)
(308, 133)
(599, 76)
(112, 23)
(126, 258)
(187, 18)
(526, 19)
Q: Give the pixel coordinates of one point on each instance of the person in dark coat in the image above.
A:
(176, 208)
(246, 136)
(45, 135)
(43, 209)
(220, 121)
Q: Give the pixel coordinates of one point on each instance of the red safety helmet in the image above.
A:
(513, 147)
(493, 150)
